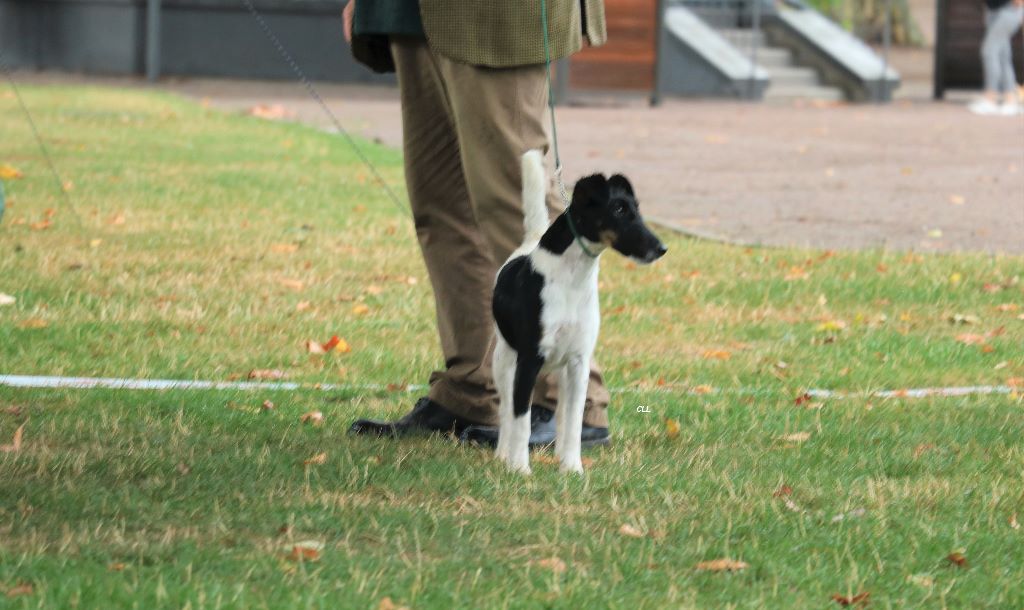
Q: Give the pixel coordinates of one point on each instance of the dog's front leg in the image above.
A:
(572, 397)
(515, 377)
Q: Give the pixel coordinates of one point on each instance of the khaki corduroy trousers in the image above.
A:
(464, 130)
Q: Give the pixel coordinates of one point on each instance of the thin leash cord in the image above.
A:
(39, 140)
(554, 132)
(323, 105)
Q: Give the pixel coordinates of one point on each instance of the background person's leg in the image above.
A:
(457, 256)
(1007, 22)
(990, 62)
(499, 115)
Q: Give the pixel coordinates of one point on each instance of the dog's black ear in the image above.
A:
(618, 182)
(590, 191)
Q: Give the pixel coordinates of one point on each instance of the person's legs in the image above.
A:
(997, 49)
(499, 114)
(990, 46)
(457, 256)
(1008, 22)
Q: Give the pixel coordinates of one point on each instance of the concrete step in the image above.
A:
(774, 57)
(742, 39)
(793, 76)
(806, 92)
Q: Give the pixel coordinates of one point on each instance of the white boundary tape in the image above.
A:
(916, 392)
(115, 383)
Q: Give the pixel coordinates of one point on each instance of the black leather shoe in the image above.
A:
(426, 417)
(542, 432)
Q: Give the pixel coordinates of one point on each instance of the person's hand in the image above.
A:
(346, 18)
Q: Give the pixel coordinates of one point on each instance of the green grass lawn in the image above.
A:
(207, 245)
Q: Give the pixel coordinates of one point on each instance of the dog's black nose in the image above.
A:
(661, 250)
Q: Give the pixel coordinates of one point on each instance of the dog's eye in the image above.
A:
(620, 209)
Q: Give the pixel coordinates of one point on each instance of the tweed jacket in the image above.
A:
(502, 33)
(498, 33)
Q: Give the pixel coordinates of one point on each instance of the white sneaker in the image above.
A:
(983, 106)
(1010, 109)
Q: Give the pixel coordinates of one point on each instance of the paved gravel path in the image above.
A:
(909, 175)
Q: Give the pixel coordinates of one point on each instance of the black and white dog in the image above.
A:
(546, 306)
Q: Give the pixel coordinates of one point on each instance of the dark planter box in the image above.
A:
(197, 38)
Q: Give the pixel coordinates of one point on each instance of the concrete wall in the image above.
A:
(101, 36)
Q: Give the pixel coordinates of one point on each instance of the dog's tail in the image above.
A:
(535, 209)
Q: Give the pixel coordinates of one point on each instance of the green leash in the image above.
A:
(554, 133)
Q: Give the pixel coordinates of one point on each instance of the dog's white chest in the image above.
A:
(569, 321)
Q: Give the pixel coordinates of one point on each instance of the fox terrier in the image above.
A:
(546, 305)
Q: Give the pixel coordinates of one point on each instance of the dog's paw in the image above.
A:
(571, 467)
(522, 468)
(515, 465)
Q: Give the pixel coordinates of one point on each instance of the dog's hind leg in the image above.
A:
(503, 365)
(572, 396)
(517, 449)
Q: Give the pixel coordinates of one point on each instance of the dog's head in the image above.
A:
(608, 213)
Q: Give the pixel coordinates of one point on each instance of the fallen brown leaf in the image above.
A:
(629, 530)
(34, 323)
(117, 567)
(320, 458)
(314, 417)
(783, 490)
(717, 354)
(922, 449)
(270, 111)
(957, 558)
(722, 565)
(15, 445)
(795, 273)
(554, 564)
(977, 339)
(860, 599)
(10, 173)
(671, 428)
(21, 589)
(387, 604)
(360, 309)
(334, 344)
(308, 550)
(266, 374)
